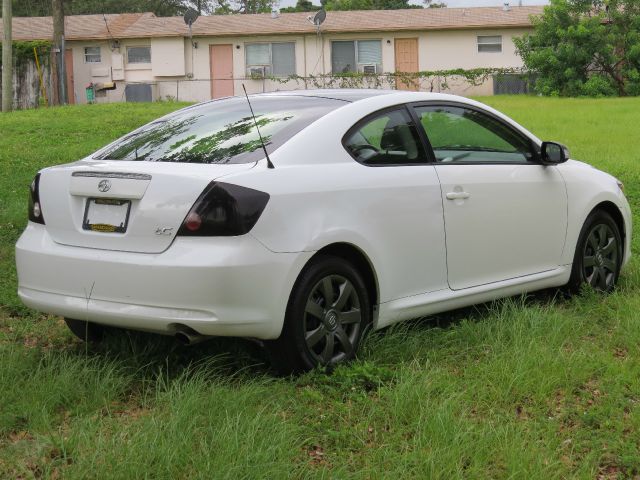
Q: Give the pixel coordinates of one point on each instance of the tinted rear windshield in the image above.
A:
(222, 131)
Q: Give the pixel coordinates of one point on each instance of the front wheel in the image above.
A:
(598, 256)
(327, 315)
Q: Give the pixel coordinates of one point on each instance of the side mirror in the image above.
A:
(554, 153)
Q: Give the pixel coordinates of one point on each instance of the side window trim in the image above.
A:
(429, 156)
(426, 143)
(438, 103)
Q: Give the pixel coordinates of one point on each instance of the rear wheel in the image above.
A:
(327, 315)
(598, 256)
(85, 331)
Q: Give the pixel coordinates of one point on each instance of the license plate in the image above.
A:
(107, 215)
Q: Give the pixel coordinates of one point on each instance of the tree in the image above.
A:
(585, 47)
(367, 4)
(223, 7)
(7, 57)
(432, 4)
(301, 6)
(41, 8)
(163, 8)
(58, 68)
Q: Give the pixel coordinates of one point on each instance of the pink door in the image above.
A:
(221, 61)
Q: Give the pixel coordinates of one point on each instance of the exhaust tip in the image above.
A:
(188, 336)
(183, 338)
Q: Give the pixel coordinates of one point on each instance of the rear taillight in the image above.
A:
(224, 210)
(35, 208)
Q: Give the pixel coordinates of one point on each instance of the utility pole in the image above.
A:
(58, 50)
(7, 58)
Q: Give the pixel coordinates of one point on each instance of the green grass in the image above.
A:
(537, 387)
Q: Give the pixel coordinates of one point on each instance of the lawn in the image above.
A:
(536, 387)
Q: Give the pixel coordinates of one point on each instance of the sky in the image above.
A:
(450, 3)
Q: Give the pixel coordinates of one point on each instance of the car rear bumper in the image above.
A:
(226, 286)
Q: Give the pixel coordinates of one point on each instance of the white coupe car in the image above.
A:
(357, 208)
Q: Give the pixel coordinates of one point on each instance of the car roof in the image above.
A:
(345, 94)
(357, 94)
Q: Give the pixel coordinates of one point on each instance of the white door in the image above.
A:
(505, 214)
(403, 218)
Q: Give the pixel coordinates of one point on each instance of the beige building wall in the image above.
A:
(459, 49)
(446, 50)
(85, 73)
(180, 69)
(167, 57)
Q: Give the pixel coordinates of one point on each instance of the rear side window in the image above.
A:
(387, 138)
(222, 131)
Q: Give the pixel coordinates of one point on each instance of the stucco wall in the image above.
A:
(167, 57)
(185, 67)
(85, 73)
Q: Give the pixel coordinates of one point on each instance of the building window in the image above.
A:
(356, 56)
(277, 59)
(92, 55)
(489, 43)
(139, 54)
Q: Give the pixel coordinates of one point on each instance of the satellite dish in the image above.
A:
(319, 17)
(190, 17)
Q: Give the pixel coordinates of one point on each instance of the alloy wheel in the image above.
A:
(600, 258)
(332, 319)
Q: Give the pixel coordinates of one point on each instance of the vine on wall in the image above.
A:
(434, 80)
(23, 51)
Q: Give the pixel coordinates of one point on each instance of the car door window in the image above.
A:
(387, 138)
(464, 135)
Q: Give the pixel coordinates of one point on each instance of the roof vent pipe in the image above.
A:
(275, 14)
(506, 7)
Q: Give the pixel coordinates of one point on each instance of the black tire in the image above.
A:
(327, 315)
(598, 257)
(85, 331)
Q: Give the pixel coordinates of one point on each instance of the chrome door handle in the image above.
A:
(457, 195)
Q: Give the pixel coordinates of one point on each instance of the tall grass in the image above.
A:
(530, 387)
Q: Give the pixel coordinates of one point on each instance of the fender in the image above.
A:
(585, 193)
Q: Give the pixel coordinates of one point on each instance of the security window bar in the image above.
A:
(139, 54)
(277, 59)
(92, 55)
(356, 56)
(489, 43)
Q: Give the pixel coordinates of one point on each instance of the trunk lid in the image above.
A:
(122, 205)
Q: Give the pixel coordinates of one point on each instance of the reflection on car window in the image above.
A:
(389, 138)
(222, 131)
(463, 135)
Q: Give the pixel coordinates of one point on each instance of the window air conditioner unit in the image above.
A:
(258, 72)
(369, 68)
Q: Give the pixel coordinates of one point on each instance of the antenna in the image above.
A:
(319, 18)
(264, 147)
(190, 17)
